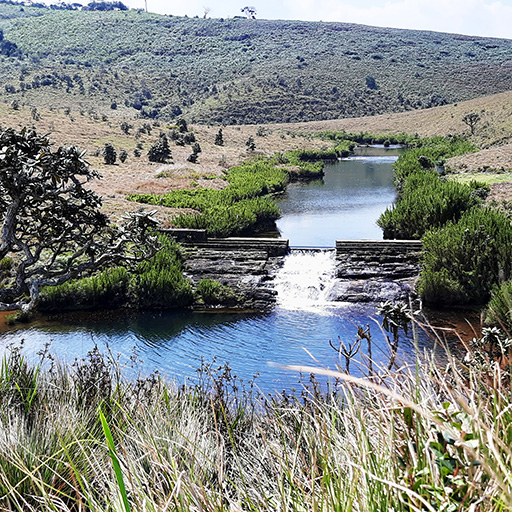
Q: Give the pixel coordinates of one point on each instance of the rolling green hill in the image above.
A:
(237, 70)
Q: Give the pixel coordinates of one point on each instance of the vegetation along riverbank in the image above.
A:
(197, 122)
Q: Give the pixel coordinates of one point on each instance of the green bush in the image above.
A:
(156, 283)
(464, 261)
(499, 308)
(105, 290)
(212, 292)
(159, 282)
(426, 202)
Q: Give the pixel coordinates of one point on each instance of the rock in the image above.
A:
(371, 290)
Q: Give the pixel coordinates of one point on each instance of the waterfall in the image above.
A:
(305, 279)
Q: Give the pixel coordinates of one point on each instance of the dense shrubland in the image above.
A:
(248, 75)
(464, 260)
(466, 245)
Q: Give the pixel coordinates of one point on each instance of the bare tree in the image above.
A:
(471, 119)
(52, 227)
(206, 11)
(249, 11)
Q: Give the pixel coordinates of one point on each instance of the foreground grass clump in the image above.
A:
(156, 283)
(237, 209)
(464, 260)
(82, 437)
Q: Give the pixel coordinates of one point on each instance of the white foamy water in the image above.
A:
(305, 279)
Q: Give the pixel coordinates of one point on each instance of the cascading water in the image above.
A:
(305, 279)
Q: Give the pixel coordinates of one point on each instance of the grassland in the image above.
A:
(239, 71)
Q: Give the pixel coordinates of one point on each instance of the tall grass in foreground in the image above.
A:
(422, 438)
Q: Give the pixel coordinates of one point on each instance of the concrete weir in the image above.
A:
(246, 265)
(376, 270)
(365, 270)
(368, 259)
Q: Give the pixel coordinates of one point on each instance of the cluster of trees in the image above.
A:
(91, 6)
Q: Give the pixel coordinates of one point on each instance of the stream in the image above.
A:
(345, 204)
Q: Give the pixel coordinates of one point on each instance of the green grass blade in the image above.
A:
(115, 461)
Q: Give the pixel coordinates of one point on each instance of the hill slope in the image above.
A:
(238, 70)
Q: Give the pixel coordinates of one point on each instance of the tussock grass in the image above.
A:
(422, 438)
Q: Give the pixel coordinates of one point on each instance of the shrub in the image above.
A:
(251, 146)
(212, 292)
(156, 283)
(463, 261)
(160, 152)
(499, 309)
(426, 202)
(219, 138)
(123, 155)
(109, 154)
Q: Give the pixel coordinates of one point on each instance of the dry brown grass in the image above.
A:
(88, 131)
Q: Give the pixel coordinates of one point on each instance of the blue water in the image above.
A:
(175, 343)
(345, 204)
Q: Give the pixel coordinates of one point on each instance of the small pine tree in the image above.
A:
(160, 152)
(189, 138)
(196, 149)
(182, 125)
(219, 139)
(123, 155)
(109, 154)
(251, 146)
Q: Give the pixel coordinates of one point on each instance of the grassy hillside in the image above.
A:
(238, 70)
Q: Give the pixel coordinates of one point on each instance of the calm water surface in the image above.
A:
(345, 204)
(175, 343)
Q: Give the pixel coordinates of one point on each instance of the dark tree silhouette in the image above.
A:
(471, 119)
(249, 11)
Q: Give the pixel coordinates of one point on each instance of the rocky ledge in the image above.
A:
(246, 266)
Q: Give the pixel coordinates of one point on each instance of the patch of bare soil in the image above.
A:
(500, 192)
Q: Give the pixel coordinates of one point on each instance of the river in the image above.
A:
(345, 204)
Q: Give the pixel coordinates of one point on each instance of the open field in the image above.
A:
(137, 175)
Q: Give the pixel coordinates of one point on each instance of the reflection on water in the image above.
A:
(345, 204)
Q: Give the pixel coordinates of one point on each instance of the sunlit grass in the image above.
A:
(426, 437)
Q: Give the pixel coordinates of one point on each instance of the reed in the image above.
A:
(426, 437)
